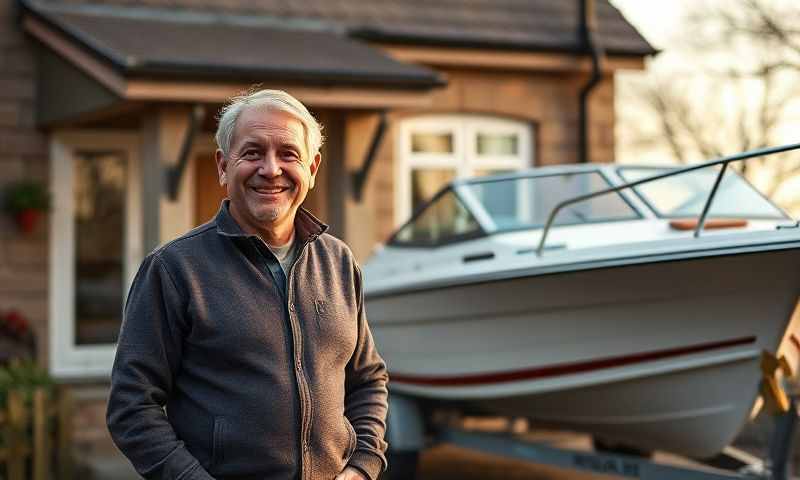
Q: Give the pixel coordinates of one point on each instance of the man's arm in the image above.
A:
(366, 397)
(147, 359)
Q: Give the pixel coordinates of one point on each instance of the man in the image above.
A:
(244, 351)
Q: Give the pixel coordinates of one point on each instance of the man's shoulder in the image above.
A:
(193, 242)
(335, 246)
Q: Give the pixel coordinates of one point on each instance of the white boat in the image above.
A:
(626, 322)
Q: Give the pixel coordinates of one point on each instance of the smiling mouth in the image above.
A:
(270, 190)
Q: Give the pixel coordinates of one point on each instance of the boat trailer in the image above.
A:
(730, 465)
(780, 391)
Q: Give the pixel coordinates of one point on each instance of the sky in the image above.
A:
(656, 20)
(660, 23)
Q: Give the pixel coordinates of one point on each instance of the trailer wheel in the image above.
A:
(402, 465)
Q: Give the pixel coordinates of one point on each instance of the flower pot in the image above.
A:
(28, 219)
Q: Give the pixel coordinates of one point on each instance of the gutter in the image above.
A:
(588, 33)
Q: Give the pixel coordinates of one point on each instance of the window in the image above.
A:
(95, 248)
(435, 149)
(99, 190)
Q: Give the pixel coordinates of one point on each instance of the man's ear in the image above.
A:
(314, 167)
(222, 166)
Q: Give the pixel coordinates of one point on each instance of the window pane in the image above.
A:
(432, 143)
(497, 144)
(685, 195)
(425, 182)
(483, 172)
(442, 221)
(526, 202)
(100, 180)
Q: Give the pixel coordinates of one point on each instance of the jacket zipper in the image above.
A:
(302, 385)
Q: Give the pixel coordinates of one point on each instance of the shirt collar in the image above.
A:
(307, 226)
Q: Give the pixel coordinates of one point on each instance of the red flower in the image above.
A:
(15, 323)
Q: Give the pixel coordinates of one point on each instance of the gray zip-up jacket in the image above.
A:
(218, 375)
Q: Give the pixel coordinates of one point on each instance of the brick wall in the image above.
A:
(23, 155)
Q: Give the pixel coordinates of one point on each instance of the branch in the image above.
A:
(658, 100)
(771, 25)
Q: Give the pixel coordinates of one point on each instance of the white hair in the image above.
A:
(272, 99)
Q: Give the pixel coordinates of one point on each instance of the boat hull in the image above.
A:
(656, 355)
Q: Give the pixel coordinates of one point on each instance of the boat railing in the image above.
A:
(723, 161)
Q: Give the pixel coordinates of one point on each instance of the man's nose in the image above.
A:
(270, 166)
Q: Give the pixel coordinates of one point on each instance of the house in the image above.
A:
(112, 103)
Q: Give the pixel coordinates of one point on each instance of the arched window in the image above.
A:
(435, 149)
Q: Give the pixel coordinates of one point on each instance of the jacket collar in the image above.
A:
(307, 226)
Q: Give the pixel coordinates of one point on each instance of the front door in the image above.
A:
(208, 193)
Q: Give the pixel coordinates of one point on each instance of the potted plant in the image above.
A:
(26, 201)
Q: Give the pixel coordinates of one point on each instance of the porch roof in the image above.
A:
(144, 44)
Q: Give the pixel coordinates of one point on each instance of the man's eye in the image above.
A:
(290, 154)
(250, 154)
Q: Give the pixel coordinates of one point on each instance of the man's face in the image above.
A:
(267, 172)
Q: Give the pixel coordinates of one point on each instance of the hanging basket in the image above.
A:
(25, 201)
(28, 219)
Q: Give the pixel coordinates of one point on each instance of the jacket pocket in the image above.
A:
(337, 326)
(352, 440)
(218, 441)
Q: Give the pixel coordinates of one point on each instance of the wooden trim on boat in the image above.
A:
(564, 368)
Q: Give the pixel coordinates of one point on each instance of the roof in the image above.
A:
(535, 25)
(154, 46)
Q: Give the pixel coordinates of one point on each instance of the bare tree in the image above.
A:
(734, 89)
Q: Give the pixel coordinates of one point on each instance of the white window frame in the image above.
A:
(67, 359)
(464, 159)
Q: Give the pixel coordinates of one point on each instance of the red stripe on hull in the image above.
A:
(564, 368)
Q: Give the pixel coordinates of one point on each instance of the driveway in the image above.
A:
(452, 463)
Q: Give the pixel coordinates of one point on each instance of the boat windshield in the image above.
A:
(443, 220)
(525, 202)
(685, 195)
(497, 205)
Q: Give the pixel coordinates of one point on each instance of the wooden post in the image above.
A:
(4, 451)
(64, 449)
(41, 435)
(15, 434)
